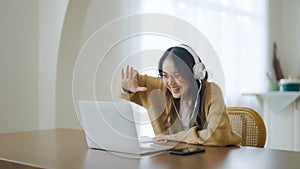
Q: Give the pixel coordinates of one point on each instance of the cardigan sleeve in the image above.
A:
(218, 131)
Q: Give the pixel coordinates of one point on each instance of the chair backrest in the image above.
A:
(249, 124)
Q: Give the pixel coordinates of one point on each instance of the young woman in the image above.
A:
(182, 105)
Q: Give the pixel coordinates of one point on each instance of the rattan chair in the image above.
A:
(248, 123)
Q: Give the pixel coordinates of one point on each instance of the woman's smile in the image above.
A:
(175, 89)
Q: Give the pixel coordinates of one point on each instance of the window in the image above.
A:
(237, 29)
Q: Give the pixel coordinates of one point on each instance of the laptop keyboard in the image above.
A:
(146, 149)
(146, 139)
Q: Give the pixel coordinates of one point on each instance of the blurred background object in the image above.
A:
(276, 64)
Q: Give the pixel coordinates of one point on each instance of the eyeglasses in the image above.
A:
(166, 76)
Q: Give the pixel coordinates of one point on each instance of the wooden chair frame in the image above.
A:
(241, 121)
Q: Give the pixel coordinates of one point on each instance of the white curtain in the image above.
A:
(237, 29)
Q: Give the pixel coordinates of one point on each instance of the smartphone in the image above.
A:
(187, 151)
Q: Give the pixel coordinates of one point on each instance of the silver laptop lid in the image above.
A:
(110, 125)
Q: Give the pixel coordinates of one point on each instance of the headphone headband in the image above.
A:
(191, 51)
(199, 69)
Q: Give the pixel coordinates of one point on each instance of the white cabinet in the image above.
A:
(281, 113)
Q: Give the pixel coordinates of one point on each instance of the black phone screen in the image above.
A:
(187, 151)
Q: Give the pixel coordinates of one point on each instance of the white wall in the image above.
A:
(51, 18)
(83, 19)
(30, 35)
(69, 47)
(290, 37)
(284, 26)
(36, 85)
(18, 65)
(274, 29)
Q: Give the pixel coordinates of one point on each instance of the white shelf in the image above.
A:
(276, 100)
(282, 119)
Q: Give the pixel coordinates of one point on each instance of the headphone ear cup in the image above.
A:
(199, 71)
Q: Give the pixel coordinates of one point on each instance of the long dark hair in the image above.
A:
(180, 55)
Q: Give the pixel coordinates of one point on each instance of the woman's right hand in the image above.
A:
(129, 80)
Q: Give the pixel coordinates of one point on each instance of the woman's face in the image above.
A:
(172, 79)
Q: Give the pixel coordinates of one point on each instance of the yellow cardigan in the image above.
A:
(218, 132)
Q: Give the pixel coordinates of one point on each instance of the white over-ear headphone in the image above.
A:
(199, 69)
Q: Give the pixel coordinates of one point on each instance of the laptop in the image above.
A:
(111, 125)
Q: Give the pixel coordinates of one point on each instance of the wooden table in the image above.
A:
(67, 149)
